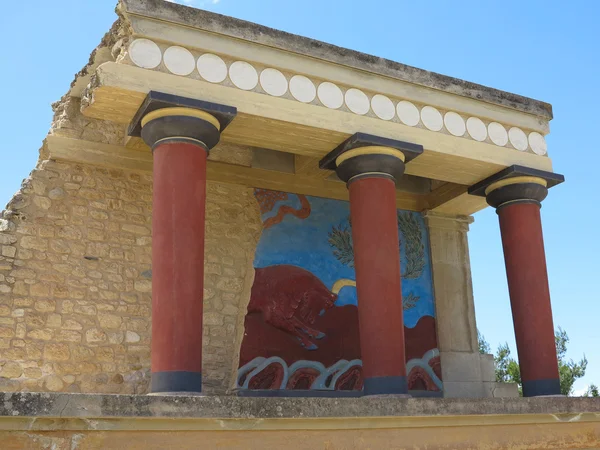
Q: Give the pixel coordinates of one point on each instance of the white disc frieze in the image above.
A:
(145, 53)
(538, 143)
(212, 68)
(432, 118)
(477, 129)
(518, 138)
(455, 124)
(408, 113)
(302, 89)
(179, 60)
(330, 95)
(357, 101)
(498, 134)
(273, 82)
(383, 107)
(243, 75)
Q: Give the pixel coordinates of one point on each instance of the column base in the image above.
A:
(539, 388)
(385, 386)
(176, 382)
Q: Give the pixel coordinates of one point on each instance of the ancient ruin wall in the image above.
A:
(75, 280)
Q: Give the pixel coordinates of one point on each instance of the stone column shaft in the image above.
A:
(525, 260)
(517, 193)
(179, 198)
(371, 166)
(377, 263)
(180, 132)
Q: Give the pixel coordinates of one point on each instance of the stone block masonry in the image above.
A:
(75, 280)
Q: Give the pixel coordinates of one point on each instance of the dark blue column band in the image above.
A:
(176, 381)
(535, 388)
(385, 385)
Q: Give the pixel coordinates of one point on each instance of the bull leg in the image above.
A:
(289, 327)
(310, 332)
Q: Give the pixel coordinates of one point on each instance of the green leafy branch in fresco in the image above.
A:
(409, 302)
(340, 240)
(413, 245)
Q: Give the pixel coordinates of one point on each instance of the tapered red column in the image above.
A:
(525, 261)
(377, 263)
(370, 166)
(179, 197)
(517, 198)
(180, 137)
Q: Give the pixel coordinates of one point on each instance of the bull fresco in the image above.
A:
(301, 327)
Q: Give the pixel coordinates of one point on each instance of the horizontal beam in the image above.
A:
(304, 129)
(118, 157)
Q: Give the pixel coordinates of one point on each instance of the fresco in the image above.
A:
(301, 328)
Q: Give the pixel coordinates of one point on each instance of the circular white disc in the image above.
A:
(518, 138)
(212, 68)
(302, 89)
(145, 53)
(408, 113)
(330, 95)
(538, 143)
(243, 75)
(432, 118)
(383, 107)
(179, 60)
(477, 129)
(497, 134)
(454, 123)
(273, 82)
(357, 101)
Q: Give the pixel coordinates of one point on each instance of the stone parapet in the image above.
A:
(82, 421)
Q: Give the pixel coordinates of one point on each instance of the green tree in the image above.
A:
(570, 370)
(484, 346)
(592, 391)
(508, 371)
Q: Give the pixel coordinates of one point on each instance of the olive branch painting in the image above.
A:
(410, 240)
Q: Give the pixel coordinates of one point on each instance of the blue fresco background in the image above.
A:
(304, 243)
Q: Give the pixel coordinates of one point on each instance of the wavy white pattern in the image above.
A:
(258, 364)
(423, 363)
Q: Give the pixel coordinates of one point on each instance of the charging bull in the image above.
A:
(291, 298)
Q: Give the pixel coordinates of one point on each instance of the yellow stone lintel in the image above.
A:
(304, 129)
(515, 180)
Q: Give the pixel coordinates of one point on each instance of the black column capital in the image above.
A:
(164, 117)
(364, 155)
(516, 184)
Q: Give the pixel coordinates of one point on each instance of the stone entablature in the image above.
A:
(256, 77)
(301, 98)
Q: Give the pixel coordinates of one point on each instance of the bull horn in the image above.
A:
(339, 284)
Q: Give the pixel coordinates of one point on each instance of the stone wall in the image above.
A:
(75, 280)
(466, 372)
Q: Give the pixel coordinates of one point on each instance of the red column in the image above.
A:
(525, 260)
(178, 266)
(377, 263)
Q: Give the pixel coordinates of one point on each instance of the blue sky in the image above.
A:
(545, 50)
